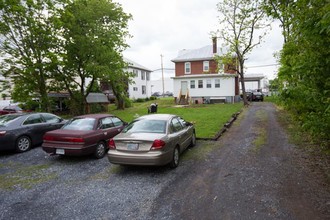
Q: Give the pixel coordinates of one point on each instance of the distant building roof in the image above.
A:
(204, 53)
(97, 98)
(136, 65)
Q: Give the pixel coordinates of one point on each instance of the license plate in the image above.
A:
(132, 146)
(60, 151)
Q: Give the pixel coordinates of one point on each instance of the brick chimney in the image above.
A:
(214, 42)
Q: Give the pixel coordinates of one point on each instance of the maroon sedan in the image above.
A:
(83, 135)
(10, 110)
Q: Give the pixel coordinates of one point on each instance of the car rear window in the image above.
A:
(80, 124)
(146, 126)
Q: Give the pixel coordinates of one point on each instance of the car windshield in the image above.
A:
(146, 126)
(5, 119)
(84, 124)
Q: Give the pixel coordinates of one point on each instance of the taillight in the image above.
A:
(75, 140)
(66, 139)
(111, 144)
(48, 138)
(157, 144)
(2, 133)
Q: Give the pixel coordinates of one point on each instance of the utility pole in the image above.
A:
(161, 60)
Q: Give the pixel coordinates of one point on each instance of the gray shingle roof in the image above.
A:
(97, 98)
(204, 53)
(133, 64)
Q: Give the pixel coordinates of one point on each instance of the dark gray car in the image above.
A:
(21, 131)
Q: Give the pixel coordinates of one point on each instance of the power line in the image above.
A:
(275, 64)
(163, 69)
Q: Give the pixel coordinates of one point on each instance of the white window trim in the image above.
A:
(208, 83)
(215, 83)
(185, 68)
(206, 64)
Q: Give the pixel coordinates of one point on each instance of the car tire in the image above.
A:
(193, 140)
(23, 144)
(175, 158)
(100, 150)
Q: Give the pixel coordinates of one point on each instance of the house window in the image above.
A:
(148, 76)
(192, 84)
(206, 66)
(135, 88)
(200, 84)
(217, 83)
(208, 83)
(187, 68)
(135, 73)
(143, 75)
(144, 90)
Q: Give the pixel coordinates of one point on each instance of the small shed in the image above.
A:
(96, 98)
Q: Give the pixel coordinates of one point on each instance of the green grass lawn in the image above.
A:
(208, 118)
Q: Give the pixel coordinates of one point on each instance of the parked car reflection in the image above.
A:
(21, 131)
(156, 139)
(83, 135)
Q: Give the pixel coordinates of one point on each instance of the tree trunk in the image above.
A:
(245, 101)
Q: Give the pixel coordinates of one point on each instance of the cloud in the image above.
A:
(166, 27)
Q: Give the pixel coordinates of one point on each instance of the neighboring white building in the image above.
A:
(141, 86)
(5, 93)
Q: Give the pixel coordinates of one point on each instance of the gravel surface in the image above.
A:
(252, 172)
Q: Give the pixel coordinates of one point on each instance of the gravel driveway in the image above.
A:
(252, 172)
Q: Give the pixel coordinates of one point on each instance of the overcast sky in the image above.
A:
(166, 27)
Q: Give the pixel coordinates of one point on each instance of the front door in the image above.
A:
(184, 87)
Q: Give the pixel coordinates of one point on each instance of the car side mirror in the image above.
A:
(188, 123)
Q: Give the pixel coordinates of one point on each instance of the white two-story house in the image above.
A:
(140, 86)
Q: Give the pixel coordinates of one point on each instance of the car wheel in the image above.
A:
(193, 140)
(100, 150)
(23, 144)
(175, 158)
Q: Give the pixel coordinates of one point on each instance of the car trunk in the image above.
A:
(65, 138)
(141, 142)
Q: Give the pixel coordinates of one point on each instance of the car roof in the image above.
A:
(158, 116)
(97, 116)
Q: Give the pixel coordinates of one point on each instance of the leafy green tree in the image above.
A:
(242, 27)
(305, 66)
(94, 33)
(274, 85)
(27, 39)
(282, 11)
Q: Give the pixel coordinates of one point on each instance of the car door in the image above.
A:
(111, 126)
(52, 121)
(187, 132)
(35, 125)
(177, 133)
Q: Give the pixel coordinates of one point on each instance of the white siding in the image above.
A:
(138, 83)
(227, 87)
